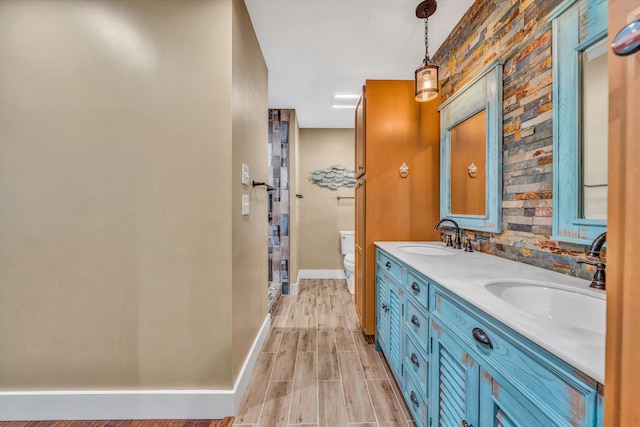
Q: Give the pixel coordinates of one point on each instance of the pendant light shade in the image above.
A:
(426, 82)
(426, 76)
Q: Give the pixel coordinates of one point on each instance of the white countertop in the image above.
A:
(466, 274)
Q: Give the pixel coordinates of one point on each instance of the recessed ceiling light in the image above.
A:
(345, 100)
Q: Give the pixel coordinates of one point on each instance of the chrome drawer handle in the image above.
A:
(482, 338)
(414, 360)
(414, 399)
(415, 287)
(415, 320)
(388, 264)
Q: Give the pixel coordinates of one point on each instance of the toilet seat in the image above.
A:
(349, 269)
(349, 259)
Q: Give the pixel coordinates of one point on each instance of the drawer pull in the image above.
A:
(415, 321)
(415, 287)
(388, 265)
(482, 338)
(414, 399)
(465, 424)
(414, 360)
(385, 308)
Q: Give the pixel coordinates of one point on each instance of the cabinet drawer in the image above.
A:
(415, 402)
(418, 287)
(417, 324)
(542, 377)
(389, 266)
(416, 365)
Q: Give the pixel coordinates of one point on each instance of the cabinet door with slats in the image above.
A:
(454, 381)
(503, 406)
(395, 324)
(382, 313)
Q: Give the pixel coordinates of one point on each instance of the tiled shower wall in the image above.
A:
(518, 32)
(278, 204)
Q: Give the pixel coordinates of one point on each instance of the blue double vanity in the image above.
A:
(477, 340)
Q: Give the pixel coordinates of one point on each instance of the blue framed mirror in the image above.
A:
(580, 120)
(471, 152)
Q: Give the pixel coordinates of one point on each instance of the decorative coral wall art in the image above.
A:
(333, 177)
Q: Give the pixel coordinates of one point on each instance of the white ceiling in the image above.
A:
(315, 48)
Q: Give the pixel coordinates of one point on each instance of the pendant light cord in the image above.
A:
(426, 41)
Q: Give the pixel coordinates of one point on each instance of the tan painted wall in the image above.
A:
(321, 215)
(250, 142)
(115, 202)
(294, 202)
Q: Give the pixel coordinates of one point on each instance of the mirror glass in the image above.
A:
(468, 165)
(595, 120)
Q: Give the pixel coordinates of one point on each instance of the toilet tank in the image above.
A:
(347, 242)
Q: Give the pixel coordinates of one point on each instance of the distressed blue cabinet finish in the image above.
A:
(417, 344)
(446, 374)
(529, 372)
(395, 324)
(389, 311)
(455, 381)
(467, 392)
(577, 24)
(382, 318)
(502, 405)
(413, 397)
(402, 330)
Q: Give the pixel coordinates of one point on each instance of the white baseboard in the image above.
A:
(293, 289)
(242, 382)
(132, 404)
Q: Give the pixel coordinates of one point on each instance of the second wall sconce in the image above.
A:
(404, 170)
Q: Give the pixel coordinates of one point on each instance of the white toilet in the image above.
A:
(347, 244)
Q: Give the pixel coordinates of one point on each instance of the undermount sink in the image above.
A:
(555, 302)
(427, 250)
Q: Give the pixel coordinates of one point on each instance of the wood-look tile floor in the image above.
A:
(317, 369)
(227, 422)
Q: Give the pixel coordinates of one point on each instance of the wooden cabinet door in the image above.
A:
(360, 134)
(623, 233)
(454, 382)
(360, 253)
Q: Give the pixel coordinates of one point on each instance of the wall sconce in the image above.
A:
(427, 74)
(404, 170)
(472, 170)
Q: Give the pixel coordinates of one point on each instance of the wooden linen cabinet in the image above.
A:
(391, 128)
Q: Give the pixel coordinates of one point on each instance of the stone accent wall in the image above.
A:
(517, 31)
(278, 205)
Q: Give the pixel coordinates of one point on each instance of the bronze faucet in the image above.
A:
(458, 242)
(599, 280)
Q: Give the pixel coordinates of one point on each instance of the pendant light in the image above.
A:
(426, 79)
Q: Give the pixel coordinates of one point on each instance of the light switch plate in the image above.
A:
(245, 174)
(245, 204)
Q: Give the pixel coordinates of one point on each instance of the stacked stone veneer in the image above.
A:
(518, 32)
(278, 205)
